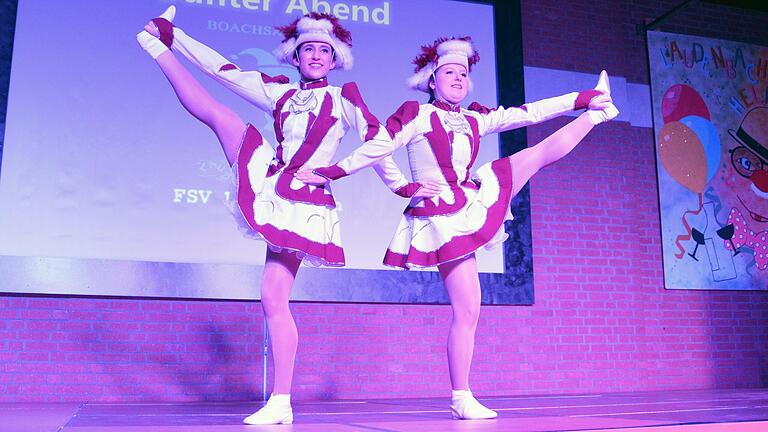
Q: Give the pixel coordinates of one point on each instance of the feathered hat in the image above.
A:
(316, 27)
(442, 51)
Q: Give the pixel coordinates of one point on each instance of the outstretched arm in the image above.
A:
(503, 119)
(253, 86)
(377, 152)
(378, 142)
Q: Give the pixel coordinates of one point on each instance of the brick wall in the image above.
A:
(602, 319)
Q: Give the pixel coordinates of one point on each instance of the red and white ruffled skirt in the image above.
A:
(309, 230)
(427, 241)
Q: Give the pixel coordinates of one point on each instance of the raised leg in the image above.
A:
(529, 161)
(227, 125)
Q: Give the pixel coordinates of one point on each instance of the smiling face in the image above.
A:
(314, 60)
(747, 179)
(451, 83)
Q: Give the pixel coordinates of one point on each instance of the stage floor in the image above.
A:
(668, 411)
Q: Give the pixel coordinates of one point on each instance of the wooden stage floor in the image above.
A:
(669, 411)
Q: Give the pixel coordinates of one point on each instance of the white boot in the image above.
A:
(602, 112)
(151, 44)
(277, 411)
(169, 13)
(464, 406)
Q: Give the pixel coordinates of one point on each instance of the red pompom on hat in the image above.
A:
(442, 51)
(316, 27)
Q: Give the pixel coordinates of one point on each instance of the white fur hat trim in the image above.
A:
(312, 30)
(454, 51)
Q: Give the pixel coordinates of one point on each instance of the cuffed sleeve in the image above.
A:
(253, 86)
(503, 119)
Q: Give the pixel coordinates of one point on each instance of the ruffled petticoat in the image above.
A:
(428, 241)
(311, 231)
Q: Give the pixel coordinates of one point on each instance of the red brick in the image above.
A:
(602, 319)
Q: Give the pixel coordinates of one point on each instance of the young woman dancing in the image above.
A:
(298, 221)
(466, 213)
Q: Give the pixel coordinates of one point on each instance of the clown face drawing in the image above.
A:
(747, 179)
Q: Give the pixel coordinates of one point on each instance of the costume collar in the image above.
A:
(318, 83)
(446, 106)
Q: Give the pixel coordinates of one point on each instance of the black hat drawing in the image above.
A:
(753, 131)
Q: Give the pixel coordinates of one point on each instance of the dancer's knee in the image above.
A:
(273, 302)
(466, 315)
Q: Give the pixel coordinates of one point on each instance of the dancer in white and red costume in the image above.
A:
(298, 221)
(467, 213)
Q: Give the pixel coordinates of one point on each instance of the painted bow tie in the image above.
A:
(743, 236)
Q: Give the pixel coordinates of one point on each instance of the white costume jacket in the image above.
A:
(310, 120)
(442, 143)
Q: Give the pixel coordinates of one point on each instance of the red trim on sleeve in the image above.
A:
(166, 31)
(350, 92)
(408, 190)
(404, 115)
(333, 172)
(278, 79)
(582, 100)
(482, 109)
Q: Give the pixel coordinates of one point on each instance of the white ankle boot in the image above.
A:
(608, 111)
(464, 406)
(169, 13)
(277, 411)
(151, 44)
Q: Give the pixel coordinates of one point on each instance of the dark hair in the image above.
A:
(430, 89)
(296, 51)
